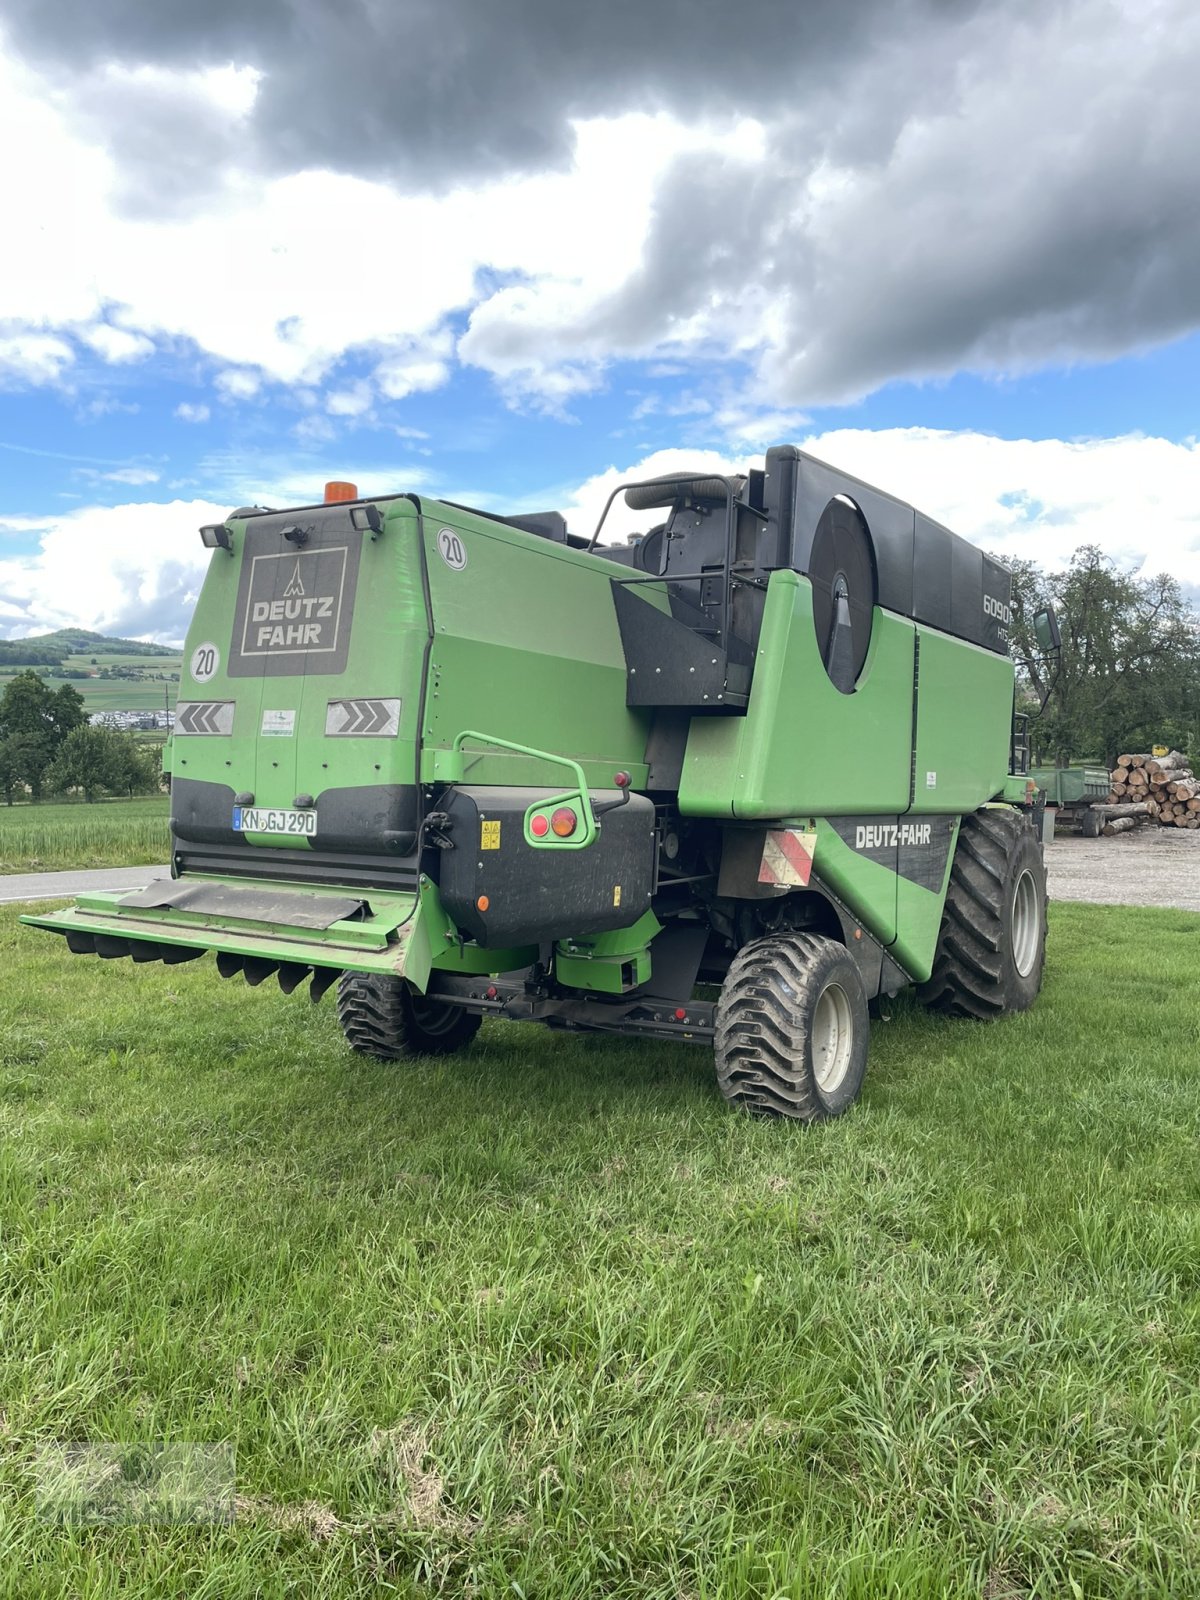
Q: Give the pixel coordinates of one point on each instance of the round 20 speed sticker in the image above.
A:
(206, 662)
(452, 549)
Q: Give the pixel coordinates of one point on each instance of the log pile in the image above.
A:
(1165, 785)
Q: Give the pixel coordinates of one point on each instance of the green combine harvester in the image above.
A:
(731, 781)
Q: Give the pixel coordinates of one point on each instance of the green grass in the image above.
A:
(60, 834)
(546, 1320)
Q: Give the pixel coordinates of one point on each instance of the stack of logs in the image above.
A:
(1162, 788)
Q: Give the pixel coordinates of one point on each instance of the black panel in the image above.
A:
(202, 813)
(933, 574)
(546, 524)
(917, 848)
(779, 503)
(924, 571)
(273, 906)
(958, 589)
(669, 663)
(997, 605)
(666, 746)
(369, 817)
(889, 521)
(295, 603)
(536, 894)
(301, 866)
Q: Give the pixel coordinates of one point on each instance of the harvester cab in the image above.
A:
(728, 781)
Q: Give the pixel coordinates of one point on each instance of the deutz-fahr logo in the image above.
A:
(889, 835)
(295, 608)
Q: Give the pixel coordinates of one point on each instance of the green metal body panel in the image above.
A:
(903, 916)
(387, 647)
(406, 935)
(599, 963)
(802, 748)
(964, 723)
(526, 646)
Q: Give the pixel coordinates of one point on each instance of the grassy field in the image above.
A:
(142, 663)
(108, 833)
(545, 1320)
(119, 694)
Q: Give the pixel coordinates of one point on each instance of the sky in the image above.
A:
(512, 255)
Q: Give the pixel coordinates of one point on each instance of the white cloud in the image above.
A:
(187, 412)
(326, 263)
(238, 384)
(352, 401)
(117, 345)
(131, 475)
(1038, 499)
(35, 358)
(135, 568)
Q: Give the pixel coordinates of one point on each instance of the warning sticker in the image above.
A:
(787, 857)
(278, 724)
(489, 835)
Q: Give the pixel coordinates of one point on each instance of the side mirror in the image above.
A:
(1045, 629)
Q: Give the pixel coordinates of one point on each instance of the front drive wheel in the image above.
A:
(386, 1018)
(792, 1029)
(992, 944)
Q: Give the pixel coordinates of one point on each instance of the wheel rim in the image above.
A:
(832, 1038)
(1026, 923)
(434, 1016)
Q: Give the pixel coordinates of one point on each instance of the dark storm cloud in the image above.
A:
(1030, 197)
(432, 91)
(989, 184)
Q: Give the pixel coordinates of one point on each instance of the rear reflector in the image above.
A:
(564, 822)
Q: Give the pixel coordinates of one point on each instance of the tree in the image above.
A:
(103, 761)
(34, 723)
(1130, 669)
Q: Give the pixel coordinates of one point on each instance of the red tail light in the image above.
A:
(539, 827)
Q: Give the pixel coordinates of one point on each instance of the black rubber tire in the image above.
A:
(976, 971)
(1089, 823)
(772, 1019)
(384, 1017)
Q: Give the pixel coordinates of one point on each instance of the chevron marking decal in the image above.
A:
(363, 719)
(204, 716)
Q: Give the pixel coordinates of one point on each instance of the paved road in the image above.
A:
(61, 885)
(1149, 867)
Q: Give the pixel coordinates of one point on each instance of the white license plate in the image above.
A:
(258, 819)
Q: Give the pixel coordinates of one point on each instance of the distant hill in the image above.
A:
(51, 649)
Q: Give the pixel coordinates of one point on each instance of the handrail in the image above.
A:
(581, 783)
